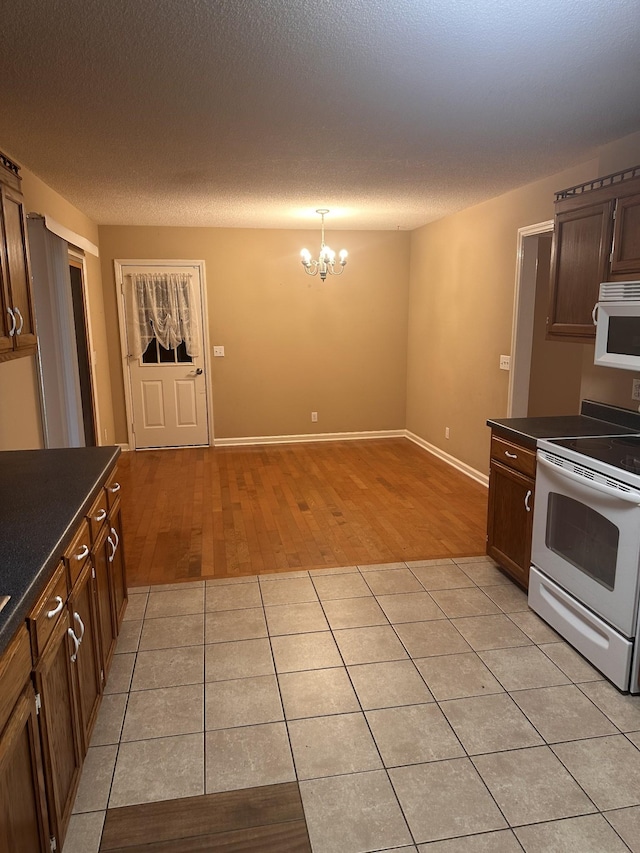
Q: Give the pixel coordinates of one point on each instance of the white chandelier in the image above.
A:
(326, 263)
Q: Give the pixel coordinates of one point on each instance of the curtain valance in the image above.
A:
(163, 306)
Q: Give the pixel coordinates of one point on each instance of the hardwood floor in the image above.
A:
(225, 512)
(268, 819)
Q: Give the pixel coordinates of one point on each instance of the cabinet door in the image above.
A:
(7, 324)
(117, 566)
(510, 520)
(106, 620)
(18, 268)
(83, 612)
(626, 236)
(23, 810)
(55, 682)
(579, 263)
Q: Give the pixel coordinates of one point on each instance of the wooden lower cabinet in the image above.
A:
(24, 822)
(52, 676)
(23, 811)
(117, 565)
(108, 628)
(88, 670)
(510, 512)
(55, 685)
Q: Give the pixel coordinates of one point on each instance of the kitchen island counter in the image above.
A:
(44, 494)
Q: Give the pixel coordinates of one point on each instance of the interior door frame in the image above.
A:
(522, 323)
(199, 266)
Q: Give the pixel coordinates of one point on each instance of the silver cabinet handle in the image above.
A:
(82, 553)
(76, 644)
(12, 317)
(113, 549)
(511, 455)
(117, 538)
(100, 516)
(57, 609)
(78, 619)
(594, 314)
(114, 488)
(17, 311)
(526, 501)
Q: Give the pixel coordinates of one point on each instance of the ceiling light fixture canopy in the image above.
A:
(326, 263)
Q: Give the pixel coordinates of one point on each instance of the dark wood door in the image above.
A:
(579, 263)
(106, 620)
(117, 564)
(510, 520)
(55, 682)
(23, 810)
(84, 619)
(626, 237)
(18, 268)
(7, 326)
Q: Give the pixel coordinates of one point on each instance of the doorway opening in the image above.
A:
(76, 275)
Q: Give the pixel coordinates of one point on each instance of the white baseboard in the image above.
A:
(298, 439)
(478, 476)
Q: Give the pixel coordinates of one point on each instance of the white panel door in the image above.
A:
(168, 387)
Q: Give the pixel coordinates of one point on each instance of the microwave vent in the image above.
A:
(620, 291)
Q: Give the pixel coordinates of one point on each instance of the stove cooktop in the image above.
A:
(618, 451)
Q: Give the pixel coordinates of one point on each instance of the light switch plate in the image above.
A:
(218, 352)
(505, 362)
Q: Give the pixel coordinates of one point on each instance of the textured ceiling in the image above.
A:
(253, 113)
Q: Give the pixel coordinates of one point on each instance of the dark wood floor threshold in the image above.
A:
(268, 819)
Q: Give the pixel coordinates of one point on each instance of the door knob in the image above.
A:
(198, 371)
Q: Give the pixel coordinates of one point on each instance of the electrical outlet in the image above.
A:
(446, 432)
(314, 417)
(505, 362)
(635, 392)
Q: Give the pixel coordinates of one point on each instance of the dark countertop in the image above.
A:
(44, 495)
(596, 419)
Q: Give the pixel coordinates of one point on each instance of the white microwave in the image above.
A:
(617, 320)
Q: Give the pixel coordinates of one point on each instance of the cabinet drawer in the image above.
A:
(516, 457)
(46, 612)
(15, 669)
(76, 554)
(112, 488)
(97, 515)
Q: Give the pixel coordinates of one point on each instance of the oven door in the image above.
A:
(586, 537)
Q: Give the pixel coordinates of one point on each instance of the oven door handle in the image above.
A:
(629, 497)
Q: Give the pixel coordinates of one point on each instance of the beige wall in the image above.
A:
(556, 366)
(460, 312)
(293, 344)
(20, 425)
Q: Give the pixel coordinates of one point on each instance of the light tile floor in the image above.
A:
(422, 707)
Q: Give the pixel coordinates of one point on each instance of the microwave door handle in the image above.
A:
(594, 313)
(629, 497)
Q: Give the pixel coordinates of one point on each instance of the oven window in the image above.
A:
(583, 537)
(624, 335)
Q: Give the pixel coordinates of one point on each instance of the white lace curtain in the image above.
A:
(163, 306)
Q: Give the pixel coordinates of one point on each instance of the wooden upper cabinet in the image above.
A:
(17, 325)
(579, 263)
(596, 238)
(626, 237)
